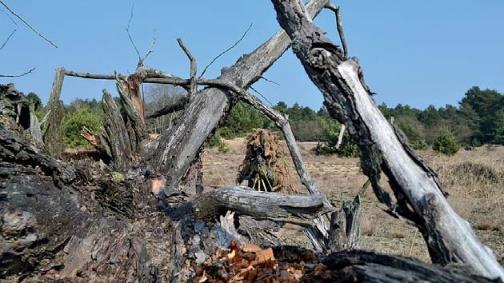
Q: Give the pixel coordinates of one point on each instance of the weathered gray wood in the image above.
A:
(448, 236)
(297, 209)
(130, 86)
(179, 145)
(345, 227)
(53, 137)
(132, 118)
(116, 134)
(35, 130)
(193, 69)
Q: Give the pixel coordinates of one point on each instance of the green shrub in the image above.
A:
(217, 141)
(74, 121)
(419, 145)
(446, 144)
(347, 149)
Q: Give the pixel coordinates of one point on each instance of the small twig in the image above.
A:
(339, 25)
(225, 51)
(151, 48)
(141, 59)
(129, 33)
(261, 95)
(18, 76)
(8, 38)
(192, 89)
(46, 116)
(28, 24)
(269, 81)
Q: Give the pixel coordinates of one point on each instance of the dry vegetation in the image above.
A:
(474, 179)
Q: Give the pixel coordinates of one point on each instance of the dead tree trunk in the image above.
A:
(53, 137)
(348, 99)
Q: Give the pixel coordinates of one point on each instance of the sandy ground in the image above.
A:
(474, 179)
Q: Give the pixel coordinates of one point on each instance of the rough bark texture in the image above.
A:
(361, 266)
(116, 134)
(132, 114)
(180, 144)
(344, 233)
(296, 209)
(58, 224)
(53, 137)
(348, 99)
(130, 87)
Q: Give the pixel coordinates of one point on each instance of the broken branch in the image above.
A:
(27, 24)
(192, 89)
(19, 75)
(339, 26)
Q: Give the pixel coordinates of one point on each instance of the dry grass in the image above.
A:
(474, 179)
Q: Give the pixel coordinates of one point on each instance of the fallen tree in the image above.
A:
(144, 218)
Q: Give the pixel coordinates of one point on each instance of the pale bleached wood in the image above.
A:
(340, 136)
(297, 209)
(423, 192)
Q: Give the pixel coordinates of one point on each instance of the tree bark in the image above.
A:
(115, 134)
(348, 99)
(53, 137)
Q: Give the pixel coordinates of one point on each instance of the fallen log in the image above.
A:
(297, 209)
(449, 238)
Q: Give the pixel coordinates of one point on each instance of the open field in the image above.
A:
(474, 179)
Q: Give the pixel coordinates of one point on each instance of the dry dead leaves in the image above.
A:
(251, 263)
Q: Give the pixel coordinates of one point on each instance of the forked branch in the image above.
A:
(339, 25)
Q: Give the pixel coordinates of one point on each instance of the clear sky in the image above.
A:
(413, 52)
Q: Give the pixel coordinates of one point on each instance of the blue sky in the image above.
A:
(413, 52)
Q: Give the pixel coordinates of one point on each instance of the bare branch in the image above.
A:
(270, 81)
(339, 25)
(193, 66)
(129, 34)
(340, 136)
(151, 48)
(180, 104)
(225, 51)
(90, 75)
(8, 38)
(28, 24)
(18, 76)
(261, 95)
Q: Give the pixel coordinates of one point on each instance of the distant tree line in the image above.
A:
(477, 120)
